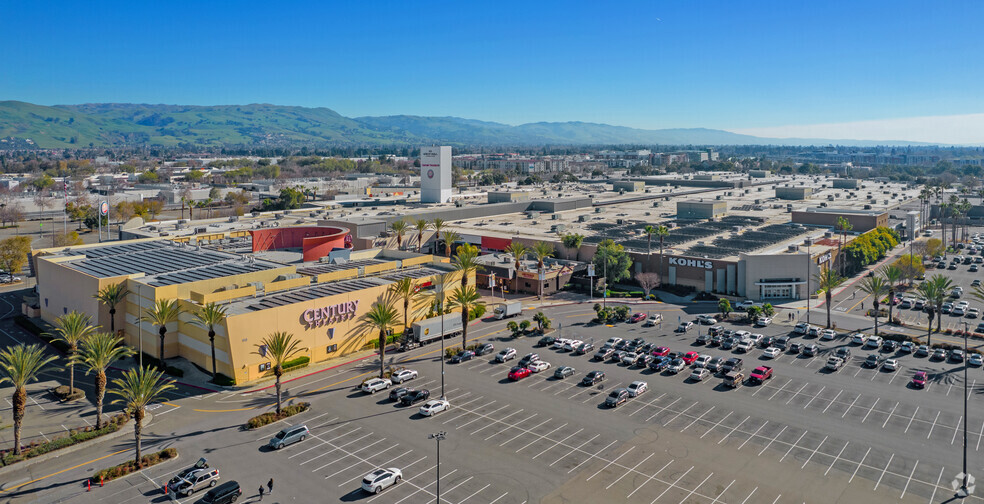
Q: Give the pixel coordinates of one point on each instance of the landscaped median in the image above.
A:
(36, 449)
(118, 471)
(268, 418)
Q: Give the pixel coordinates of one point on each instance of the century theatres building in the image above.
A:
(304, 281)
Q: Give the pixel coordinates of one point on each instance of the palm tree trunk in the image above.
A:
(929, 331)
(464, 326)
(382, 350)
(100, 392)
(71, 372)
(517, 276)
(876, 318)
(939, 320)
(163, 332)
(829, 296)
(211, 341)
(20, 402)
(891, 304)
(649, 246)
(138, 416)
(112, 320)
(278, 372)
(661, 260)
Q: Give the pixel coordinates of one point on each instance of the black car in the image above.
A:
(593, 377)
(843, 353)
(415, 396)
(487, 348)
(732, 364)
(890, 346)
(584, 348)
(638, 342)
(467, 355)
(871, 361)
(225, 493)
(528, 359)
(658, 364)
(714, 365)
(715, 340)
(647, 348)
(398, 393)
(715, 330)
(795, 348)
(546, 341)
(810, 350)
(616, 397)
(675, 355)
(781, 343)
(643, 360)
(603, 354)
(703, 339)
(621, 345)
(766, 341)
(617, 356)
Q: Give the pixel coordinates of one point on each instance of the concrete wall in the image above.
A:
(628, 185)
(861, 222)
(793, 192)
(700, 209)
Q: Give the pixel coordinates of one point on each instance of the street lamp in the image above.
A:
(440, 436)
(809, 259)
(440, 309)
(963, 492)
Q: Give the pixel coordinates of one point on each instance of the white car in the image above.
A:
(613, 341)
(629, 358)
(434, 406)
(504, 355)
(975, 359)
(654, 319)
(744, 305)
(375, 385)
(756, 338)
(771, 352)
(381, 479)
(572, 344)
(403, 375)
(873, 342)
(685, 326)
(706, 319)
(959, 310)
(699, 374)
(559, 344)
(973, 313)
(763, 321)
(636, 388)
(702, 361)
(859, 338)
(801, 328)
(538, 366)
(676, 366)
(828, 334)
(744, 346)
(891, 364)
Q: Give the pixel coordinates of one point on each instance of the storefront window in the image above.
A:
(332, 348)
(265, 367)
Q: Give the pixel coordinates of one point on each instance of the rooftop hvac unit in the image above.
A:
(582, 218)
(183, 221)
(233, 218)
(257, 285)
(794, 248)
(619, 221)
(828, 234)
(598, 210)
(555, 217)
(717, 197)
(655, 204)
(701, 243)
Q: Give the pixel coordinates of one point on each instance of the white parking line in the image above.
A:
(936, 487)
(793, 446)
(851, 406)
(680, 413)
(660, 410)
(814, 452)
(491, 424)
(814, 397)
(956, 429)
(626, 473)
(698, 418)
(797, 393)
(780, 389)
(836, 458)
(672, 486)
(574, 449)
(360, 476)
(884, 470)
(351, 454)
(890, 413)
(910, 420)
(909, 480)
(610, 462)
(504, 429)
(419, 488)
(650, 403)
(325, 442)
(696, 487)
(733, 430)
(523, 431)
(544, 436)
(497, 499)
(545, 450)
(476, 493)
(749, 495)
(742, 445)
(832, 401)
(336, 448)
(934, 424)
(477, 418)
(463, 413)
(357, 463)
(859, 465)
(592, 456)
(716, 424)
(718, 498)
(650, 478)
(979, 437)
(773, 440)
(777, 499)
(870, 409)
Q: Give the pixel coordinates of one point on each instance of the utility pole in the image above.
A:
(809, 295)
(440, 304)
(439, 436)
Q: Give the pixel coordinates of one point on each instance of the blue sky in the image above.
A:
(737, 65)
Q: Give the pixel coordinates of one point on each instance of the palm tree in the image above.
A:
(929, 290)
(112, 295)
(380, 318)
(449, 237)
(407, 292)
(438, 225)
(466, 261)
(518, 251)
(138, 388)
(876, 288)
(208, 317)
(466, 298)
(844, 226)
(72, 329)
(943, 211)
(421, 225)
(827, 280)
(21, 365)
(96, 354)
(893, 276)
(280, 347)
(541, 251)
(399, 227)
(162, 313)
(661, 232)
(942, 286)
(649, 231)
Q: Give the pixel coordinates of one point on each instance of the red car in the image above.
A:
(518, 373)
(690, 357)
(662, 351)
(919, 380)
(637, 317)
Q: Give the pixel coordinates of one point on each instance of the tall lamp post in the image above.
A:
(439, 436)
(809, 295)
(440, 309)
(964, 492)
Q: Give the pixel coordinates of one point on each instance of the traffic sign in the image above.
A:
(591, 271)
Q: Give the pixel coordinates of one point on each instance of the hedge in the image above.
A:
(223, 380)
(296, 363)
(268, 418)
(111, 473)
(75, 436)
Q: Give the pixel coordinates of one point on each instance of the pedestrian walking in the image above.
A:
(270, 486)
(261, 492)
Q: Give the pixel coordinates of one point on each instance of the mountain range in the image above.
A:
(125, 124)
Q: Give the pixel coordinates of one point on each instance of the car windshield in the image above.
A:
(281, 435)
(614, 393)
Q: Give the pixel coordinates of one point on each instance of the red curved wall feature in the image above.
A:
(315, 241)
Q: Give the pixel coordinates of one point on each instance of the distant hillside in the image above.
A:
(115, 124)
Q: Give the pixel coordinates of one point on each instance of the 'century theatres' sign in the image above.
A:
(693, 263)
(329, 314)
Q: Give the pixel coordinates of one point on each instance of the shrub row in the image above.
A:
(223, 380)
(111, 473)
(297, 363)
(269, 418)
(38, 448)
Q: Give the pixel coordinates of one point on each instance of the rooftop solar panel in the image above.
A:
(319, 291)
(318, 269)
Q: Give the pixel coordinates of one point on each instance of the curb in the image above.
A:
(309, 374)
(148, 418)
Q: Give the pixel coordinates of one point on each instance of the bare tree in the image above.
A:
(43, 200)
(648, 281)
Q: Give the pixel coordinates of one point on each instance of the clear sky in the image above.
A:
(747, 66)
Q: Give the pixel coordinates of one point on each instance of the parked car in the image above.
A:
(811, 350)
(225, 493)
(675, 366)
(460, 357)
(871, 361)
(654, 319)
(732, 364)
(504, 355)
(703, 339)
(705, 319)
(922, 351)
(572, 344)
(415, 396)
(957, 355)
(584, 348)
(289, 436)
(801, 328)
(873, 342)
(563, 372)
(760, 374)
(374, 385)
(529, 359)
(684, 327)
(939, 354)
(919, 380)
(702, 361)
(643, 360)
(714, 365)
(399, 392)
(771, 353)
(593, 377)
(434, 406)
(890, 346)
(659, 364)
(637, 388)
(637, 317)
(890, 364)
(690, 357)
(616, 397)
(975, 359)
(603, 354)
(907, 347)
(548, 340)
(859, 338)
(661, 351)
(537, 366)
(518, 373)
(629, 358)
(484, 349)
(403, 375)
(699, 374)
(763, 321)
(828, 334)
(381, 479)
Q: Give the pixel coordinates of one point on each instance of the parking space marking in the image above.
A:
(870, 409)
(910, 420)
(909, 480)
(777, 499)
(353, 453)
(357, 463)
(859, 465)
(851, 406)
(698, 418)
(936, 486)
(473, 420)
(815, 396)
(733, 430)
(650, 403)
(934, 424)
(780, 389)
(658, 497)
(836, 458)
(650, 478)
(793, 446)
(660, 410)
(718, 498)
(742, 445)
(956, 429)
(749, 495)
(544, 436)
(884, 470)
(716, 424)
(592, 456)
(574, 449)
(545, 450)
(322, 443)
(336, 448)
(626, 473)
(797, 393)
(773, 440)
(497, 499)
(680, 413)
(384, 464)
(491, 424)
(814, 452)
(504, 429)
(832, 401)
(890, 413)
(695, 488)
(610, 462)
(979, 437)
(522, 431)
(465, 412)
(418, 487)
(480, 490)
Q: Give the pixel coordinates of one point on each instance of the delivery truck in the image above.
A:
(508, 309)
(428, 330)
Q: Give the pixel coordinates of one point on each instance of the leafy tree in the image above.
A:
(768, 310)
(281, 347)
(875, 287)
(909, 267)
(137, 389)
(934, 247)
(381, 317)
(754, 312)
(524, 326)
(400, 229)
(162, 313)
(408, 293)
(466, 298)
(148, 177)
(207, 317)
(572, 241)
(96, 354)
(72, 329)
(214, 194)
(724, 306)
(43, 182)
(612, 262)
(827, 280)
(942, 286)
(68, 239)
(111, 296)
(513, 328)
(421, 225)
(14, 252)
(542, 321)
(449, 237)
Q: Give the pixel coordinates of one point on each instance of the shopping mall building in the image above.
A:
(266, 282)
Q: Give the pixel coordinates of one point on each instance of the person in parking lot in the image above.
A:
(270, 486)
(261, 492)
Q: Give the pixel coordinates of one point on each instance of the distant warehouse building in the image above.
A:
(845, 183)
(759, 173)
(628, 185)
(793, 192)
(508, 196)
(861, 220)
(701, 209)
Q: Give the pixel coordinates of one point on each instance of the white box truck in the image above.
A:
(428, 330)
(508, 309)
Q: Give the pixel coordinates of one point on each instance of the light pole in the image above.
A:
(963, 487)
(440, 436)
(809, 259)
(440, 309)
(605, 293)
